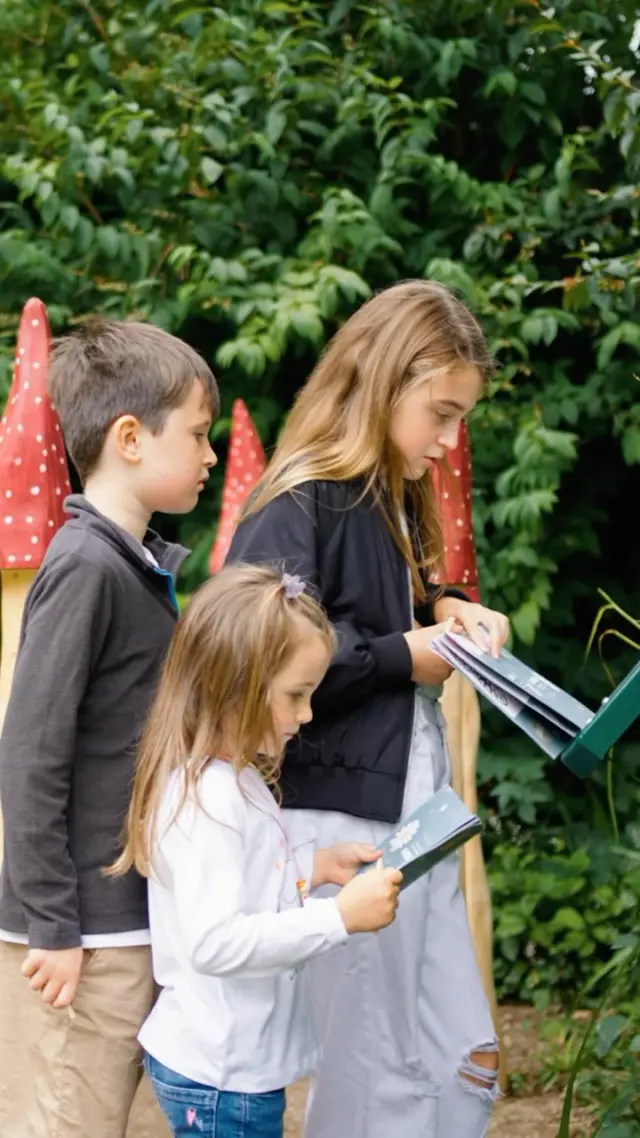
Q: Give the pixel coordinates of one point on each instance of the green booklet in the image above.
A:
(428, 835)
(560, 725)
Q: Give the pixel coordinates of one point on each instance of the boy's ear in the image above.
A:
(125, 437)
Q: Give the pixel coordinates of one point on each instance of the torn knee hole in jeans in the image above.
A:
(479, 1070)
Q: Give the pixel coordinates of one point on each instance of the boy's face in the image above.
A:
(175, 463)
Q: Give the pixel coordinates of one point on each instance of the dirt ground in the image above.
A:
(524, 1114)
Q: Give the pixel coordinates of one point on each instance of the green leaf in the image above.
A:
(109, 240)
(212, 171)
(501, 80)
(532, 329)
(275, 125)
(567, 919)
(608, 1031)
(631, 444)
(70, 216)
(525, 621)
(534, 93)
(623, 333)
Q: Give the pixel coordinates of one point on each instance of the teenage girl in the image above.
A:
(347, 503)
(231, 922)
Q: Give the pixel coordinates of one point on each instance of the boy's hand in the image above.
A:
(369, 902)
(337, 864)
(54, 973)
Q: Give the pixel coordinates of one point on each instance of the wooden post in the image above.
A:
(15, 586)
(461, 710)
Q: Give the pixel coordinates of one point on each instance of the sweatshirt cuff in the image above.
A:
(54, 937)
(392, 656)
(329, 919)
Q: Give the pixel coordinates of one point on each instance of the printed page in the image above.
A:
(520, 676)
(544, 733)
(535, 705)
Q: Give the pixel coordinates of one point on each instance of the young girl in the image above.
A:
(347, 502)
(231, 925)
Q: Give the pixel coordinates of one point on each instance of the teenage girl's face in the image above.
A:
(425, 423)
(293, 687)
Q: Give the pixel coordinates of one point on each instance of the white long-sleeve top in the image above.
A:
(229, 935)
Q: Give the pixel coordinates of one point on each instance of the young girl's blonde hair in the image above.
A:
(238, 632)
(338, 428)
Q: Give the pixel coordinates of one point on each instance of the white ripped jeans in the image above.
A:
(402, 1014)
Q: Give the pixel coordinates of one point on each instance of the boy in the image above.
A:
(136, 406)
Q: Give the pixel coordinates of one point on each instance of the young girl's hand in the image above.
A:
(488, 629)
(54, 973)
(337, 864)
(370, 900)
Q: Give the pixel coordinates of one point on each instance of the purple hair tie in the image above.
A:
(292, 586)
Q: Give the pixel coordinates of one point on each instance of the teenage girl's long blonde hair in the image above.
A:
(238, 632)
(338, 428)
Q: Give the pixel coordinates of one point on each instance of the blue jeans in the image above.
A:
(197, 1111)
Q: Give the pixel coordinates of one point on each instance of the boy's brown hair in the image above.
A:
(111, 368)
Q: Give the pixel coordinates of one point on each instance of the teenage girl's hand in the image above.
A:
(427, 667)
(54, 973)
(488, 629)
(370, 900)
(337, 864)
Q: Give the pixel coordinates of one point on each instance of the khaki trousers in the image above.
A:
(74, 1075)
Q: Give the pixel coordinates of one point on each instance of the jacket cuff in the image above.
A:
(425, 613)
(54, 937)
(392, 656)
(451, 591)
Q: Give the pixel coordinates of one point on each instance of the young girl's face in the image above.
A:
(426, 421)
(293, 687)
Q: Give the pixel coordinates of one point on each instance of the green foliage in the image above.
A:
(246, 175)
(601, 1060)
(561, 893)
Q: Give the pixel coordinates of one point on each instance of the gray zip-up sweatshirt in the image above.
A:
(97, 623)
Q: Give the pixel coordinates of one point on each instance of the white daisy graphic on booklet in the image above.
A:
(405, 835)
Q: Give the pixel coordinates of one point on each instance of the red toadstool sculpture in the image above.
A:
(245, 464)
(34, 479)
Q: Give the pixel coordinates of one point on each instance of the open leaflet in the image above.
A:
(560, 725)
